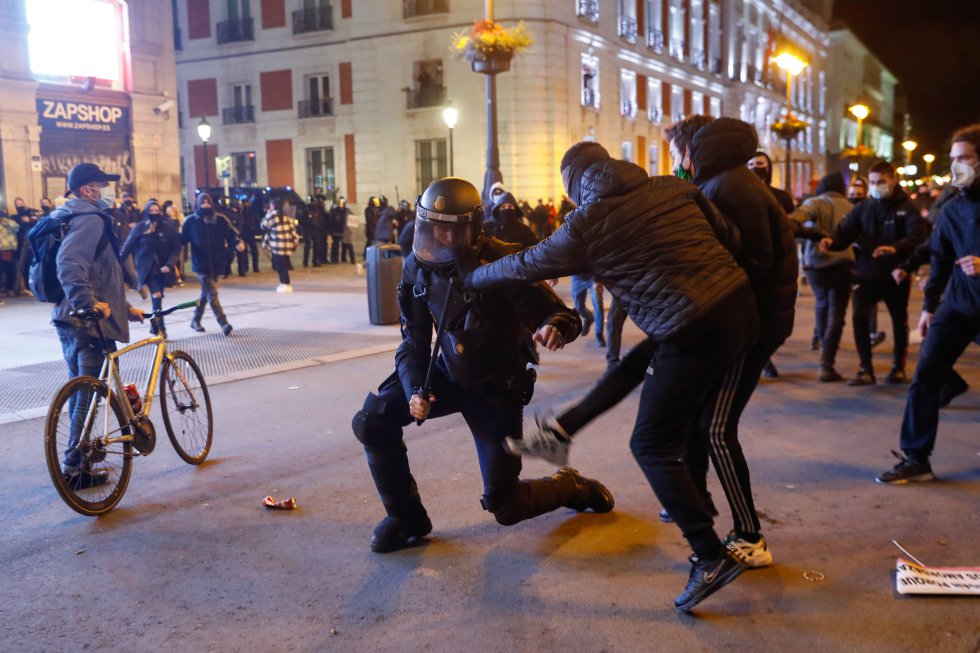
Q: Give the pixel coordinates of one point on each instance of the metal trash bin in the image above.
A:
(384, 273)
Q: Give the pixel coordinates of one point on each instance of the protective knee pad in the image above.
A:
(370, 425)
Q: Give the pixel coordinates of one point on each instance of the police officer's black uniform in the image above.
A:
(481, 372)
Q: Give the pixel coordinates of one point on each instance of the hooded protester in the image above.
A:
(155, 247)
(829, 273)
(761, 165)
(657, 245)
(211, 237)
(506, 222)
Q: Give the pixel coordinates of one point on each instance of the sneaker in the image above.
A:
(226, 329)
(586, 325)
(546, 442)
(289, 288)
(84, 480)
(281, 288)
(770, 371)
(864, 377)
(907, 471)
(755, 554)
(877, 338)
(707, 577)
(829, 375)
(815, 344)
(897, 375)
(196, 325)
(394, 533)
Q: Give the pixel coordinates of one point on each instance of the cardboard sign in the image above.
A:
(913, 578)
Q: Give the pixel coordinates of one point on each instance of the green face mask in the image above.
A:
(682, 173)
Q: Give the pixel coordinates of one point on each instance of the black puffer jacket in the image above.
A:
(768, 255)
(646, 239)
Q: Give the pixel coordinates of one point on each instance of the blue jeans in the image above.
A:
(84, 357)
(580, 285)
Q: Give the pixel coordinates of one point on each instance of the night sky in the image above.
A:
(933, 47)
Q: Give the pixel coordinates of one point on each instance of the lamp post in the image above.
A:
(859, 111)
(928, 158)
(909, 147)
(204, 131)
(790, 126)
(450, 115)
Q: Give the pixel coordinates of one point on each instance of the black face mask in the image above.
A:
(762, 173)
(153, 216)
(509, 214)
(205, 211)
(21, 210)
(854, 200)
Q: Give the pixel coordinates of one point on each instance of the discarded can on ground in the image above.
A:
(286, 504)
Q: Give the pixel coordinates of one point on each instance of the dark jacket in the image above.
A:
(371, 215)
(957, 234)
(649, 240)
(893, 221)
(210, 239)
(509, 227)
(406, 238)
(487, 333)
(388, 223)
(785, 199)
(768, 255)
(151, 250)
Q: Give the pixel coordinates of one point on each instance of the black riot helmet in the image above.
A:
(448, 223)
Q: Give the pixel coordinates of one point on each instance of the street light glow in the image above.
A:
(791, 64)
(860, 111)
(910, 145)
(450, 115)
(204, 129)
(928, 158)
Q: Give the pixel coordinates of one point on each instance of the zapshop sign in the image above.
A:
(82, 116)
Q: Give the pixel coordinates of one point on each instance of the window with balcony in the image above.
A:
(413, 8)
(587, 10)
(428, 90)
(315, 16)
(241, 110)
(655, 104)
(627, 20)
(655, 25)
(239, 26)
(627, 150)
(677, 103)
(653, 160)
(699, 55)
(590, 81)
(627, 93)
(320, 171)
(243, 169)
(714, 37)
(678, 18)
(318, 100)
(431, 162)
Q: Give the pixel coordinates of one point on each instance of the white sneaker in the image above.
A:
(755, 555)
(289, 288)
(281, 288)
(545, 442)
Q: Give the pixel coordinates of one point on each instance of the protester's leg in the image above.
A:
(211, 286)
(864, 304)
(896, 299)
(599, 311)
(202, 302)
(821, 298)
(580, 287)
(84, 357)
(614, 330)
(838, 284)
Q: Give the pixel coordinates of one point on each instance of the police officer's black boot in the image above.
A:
(566, 488)
(407, 520)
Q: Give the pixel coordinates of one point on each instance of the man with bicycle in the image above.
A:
(89, 272)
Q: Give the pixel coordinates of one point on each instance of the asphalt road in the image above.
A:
(190, 561)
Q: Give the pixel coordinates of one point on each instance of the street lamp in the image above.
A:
(909, 147)
(928, 158)
(790, 126)
(450, 115)
(204, 131)
(859, 111)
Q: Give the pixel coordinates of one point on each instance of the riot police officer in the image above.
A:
(485, 345)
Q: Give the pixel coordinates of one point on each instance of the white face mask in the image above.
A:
(880, 192)
(107, 197)
(963, 174)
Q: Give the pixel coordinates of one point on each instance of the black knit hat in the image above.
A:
(578, 158)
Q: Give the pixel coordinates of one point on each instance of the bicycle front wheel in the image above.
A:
(186, 407)
(88, 463)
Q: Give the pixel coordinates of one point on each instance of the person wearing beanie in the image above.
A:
(505, 222)
(829, 273)
(155, 247)
(662, 250)
(761, 165)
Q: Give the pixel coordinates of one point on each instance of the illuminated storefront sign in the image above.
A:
(82, 116)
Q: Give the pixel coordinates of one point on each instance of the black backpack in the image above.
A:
(45, 239)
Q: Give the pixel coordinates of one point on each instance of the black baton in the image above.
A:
(435, 348)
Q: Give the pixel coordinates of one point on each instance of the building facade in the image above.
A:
(349, 95)
(87, 80)
(857, 77)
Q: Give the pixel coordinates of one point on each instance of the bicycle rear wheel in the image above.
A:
(186, 407)
(89, 472)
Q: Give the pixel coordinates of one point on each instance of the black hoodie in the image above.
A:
(719, 151)
(210, 238)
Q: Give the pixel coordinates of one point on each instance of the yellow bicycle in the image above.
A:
(96, 426)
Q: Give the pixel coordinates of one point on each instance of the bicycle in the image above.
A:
(90, 465)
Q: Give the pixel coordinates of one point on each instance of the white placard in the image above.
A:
(912, 578)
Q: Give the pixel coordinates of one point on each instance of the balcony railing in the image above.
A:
(426, 96)
(699, 59)
(628, 109)
(314, 108)
(313, 20)
(677, 49)
(590, 98)
(716, 65)
(655, 114)
(233, 31)
(413, 8)
(587, 9)
(628, 28)
(655, 40)
(238, 115)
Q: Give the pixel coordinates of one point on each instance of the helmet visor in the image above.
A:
(441, 243)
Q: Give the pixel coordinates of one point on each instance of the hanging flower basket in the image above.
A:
(490, 46)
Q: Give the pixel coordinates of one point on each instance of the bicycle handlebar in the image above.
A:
(190, 304)
(92, 315)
